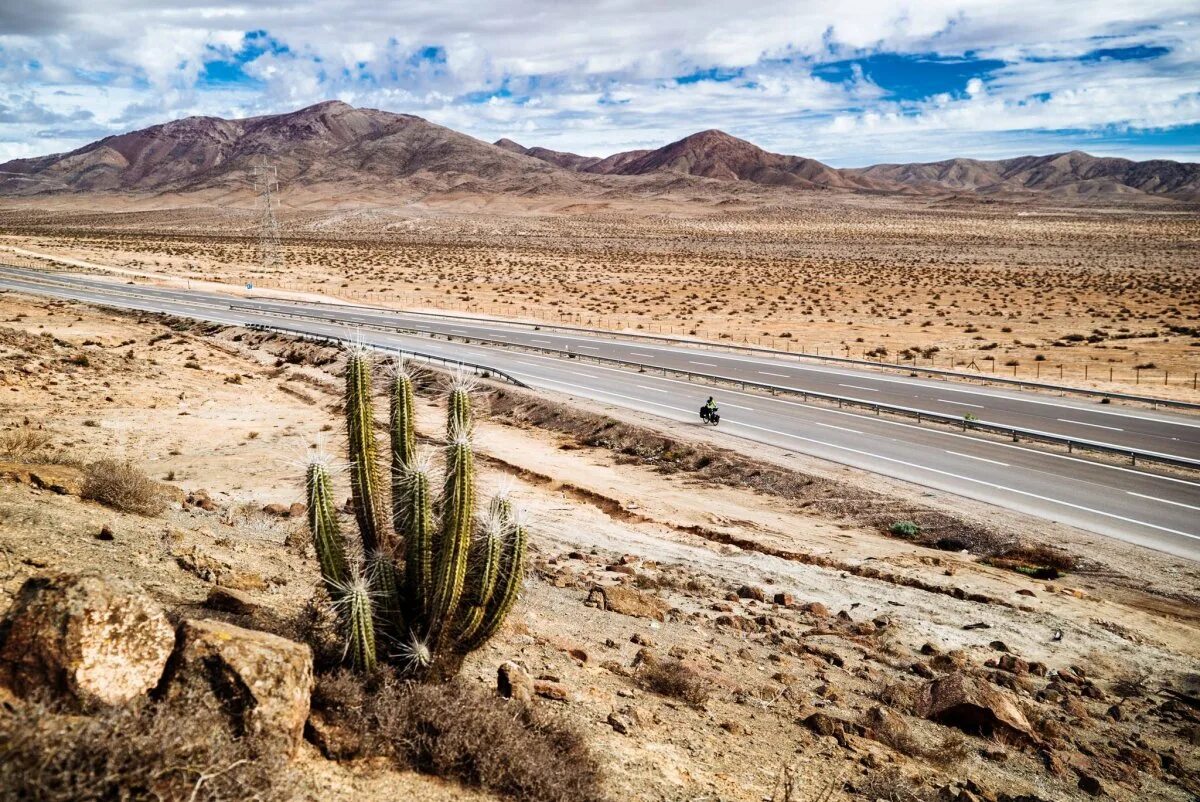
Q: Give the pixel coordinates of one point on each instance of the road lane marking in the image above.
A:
(705, 364)
(588, 347)
(652, 389)
(647, 356)
(541, 341)
(780, 375)
(585, 375)
(981, 459)
(1163, 500)
(958, 403)
(918, 467)
(859, 387)
(1093, 425)
(736, 406)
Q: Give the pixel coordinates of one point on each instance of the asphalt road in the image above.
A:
(1135, 505)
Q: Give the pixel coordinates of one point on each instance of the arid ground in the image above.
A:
(1097, 296)
(764, 624)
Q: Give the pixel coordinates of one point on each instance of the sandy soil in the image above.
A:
(1102, 297)
(603, 518)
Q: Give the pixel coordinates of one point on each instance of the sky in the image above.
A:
(848, 82)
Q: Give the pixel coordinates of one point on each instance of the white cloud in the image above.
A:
(599, 76)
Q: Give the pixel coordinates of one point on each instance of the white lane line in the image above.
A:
(652, 389)
(705, 364)
(648, 356)
(981, 459)
(780, 375)
(500, 336)
(1093, 425)
(910, 426)
(585, 375)
(1163, 500)
(958, 403)
(859, 387)
(459, 331)
(992, 485)
(540, 341)
(736, 406)
(587, 347)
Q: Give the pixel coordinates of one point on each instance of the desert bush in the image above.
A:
(122, 486)
(459, 732)
(670, 677)
(24, 444)
(142, 752)
(905, 529)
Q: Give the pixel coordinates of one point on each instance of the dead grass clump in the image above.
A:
(24, 444)
(1035, 559)
(122, 486)
(892, 785)
(670, 677)
(149, 751)
(458, 732)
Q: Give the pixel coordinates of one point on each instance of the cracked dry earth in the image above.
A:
(813, 673)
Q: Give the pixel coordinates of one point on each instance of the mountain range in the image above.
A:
(335, 154)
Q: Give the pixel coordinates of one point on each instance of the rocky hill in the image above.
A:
(333, 154)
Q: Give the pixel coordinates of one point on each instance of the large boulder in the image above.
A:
(82, 637)
(261, 681)
(973, 706)
(628, 601)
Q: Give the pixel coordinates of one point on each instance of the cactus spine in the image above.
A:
(441, 579)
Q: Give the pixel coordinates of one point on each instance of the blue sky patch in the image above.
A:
(912, 77)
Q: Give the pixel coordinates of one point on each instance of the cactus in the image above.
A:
(440, 579)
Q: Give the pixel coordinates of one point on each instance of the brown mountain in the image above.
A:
(334, 154)
(325, 150)
(1075, 174)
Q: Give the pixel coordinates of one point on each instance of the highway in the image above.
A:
(1137, 505)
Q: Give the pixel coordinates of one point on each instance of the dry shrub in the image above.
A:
(139, 752)
(892, 785)
(670, 677)
(458, 732)
(122, 486)
(24, 444)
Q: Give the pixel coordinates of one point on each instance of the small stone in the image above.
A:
(550, 689)
(998, 646)
(1090, 785)
(279, 510)
(578, 654)
(1025, 592)
(629, 601)
(228, 600)
(620, 723)
(785, 599)
(105, 533)
(752, 592)
(734, 727)
(514, 682)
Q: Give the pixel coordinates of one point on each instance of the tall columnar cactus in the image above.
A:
(438, 580)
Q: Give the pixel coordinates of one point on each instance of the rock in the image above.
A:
(228, 600)
(752, 592)
(334, 741)
(641, 640)
(629, 601)
(816, 609)
(1012, 664)
(578, 654)
(886, 726)
(1025, 592)
(620, 723)
(738, 622)
(297, 510)
(785, 599)
(278, 510)
(620, 568)
(551, 689)
(1090, 785)
(58, 479)
(84, 637)
(514, 682)
(930, 649)
(973, 706)
(998, 646)
(105, 533)
(734, 727)
(836, 728)
(263, 682)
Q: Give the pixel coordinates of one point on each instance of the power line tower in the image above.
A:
(266, 186)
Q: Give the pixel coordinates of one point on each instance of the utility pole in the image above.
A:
(266, 186)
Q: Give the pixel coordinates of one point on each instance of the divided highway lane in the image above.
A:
(1173, 434)
(1132, 505)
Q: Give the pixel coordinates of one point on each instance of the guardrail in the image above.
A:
(774, 352)
(1017, 434)
(484, 371)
